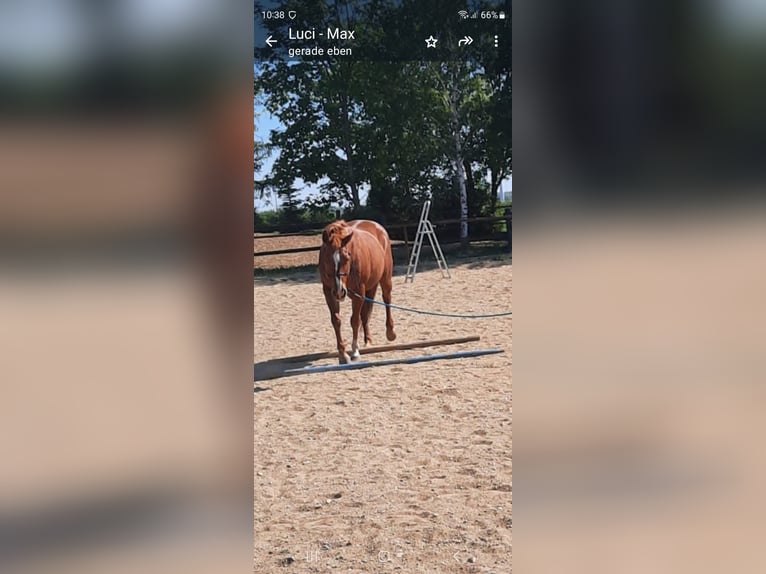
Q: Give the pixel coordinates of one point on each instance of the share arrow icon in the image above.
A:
(467, 41)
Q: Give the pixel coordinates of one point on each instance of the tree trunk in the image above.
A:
(470, 187)
(493, 186)
(347, 148)
(355, 196)
(457, 163)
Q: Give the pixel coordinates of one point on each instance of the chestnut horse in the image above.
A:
(354, 259)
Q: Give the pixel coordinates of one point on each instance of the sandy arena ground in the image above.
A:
(401, 468)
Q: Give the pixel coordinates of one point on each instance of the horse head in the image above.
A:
(337, 237)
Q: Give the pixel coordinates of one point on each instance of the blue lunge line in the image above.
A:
(486, 316)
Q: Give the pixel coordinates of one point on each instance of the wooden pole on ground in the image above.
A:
(384, 349)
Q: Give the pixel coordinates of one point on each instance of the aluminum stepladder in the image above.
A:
(425, 229)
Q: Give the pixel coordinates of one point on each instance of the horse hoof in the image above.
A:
(344, 359)
(390, 335)
(355, 355)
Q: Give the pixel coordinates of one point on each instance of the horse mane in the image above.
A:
(335, 233)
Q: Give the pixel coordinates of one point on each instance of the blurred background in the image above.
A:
(125, 295)
(640, 243)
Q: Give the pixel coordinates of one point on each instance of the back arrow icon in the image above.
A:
(270, 41)
(467, 41)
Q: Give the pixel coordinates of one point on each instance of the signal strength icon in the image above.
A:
(463, 14)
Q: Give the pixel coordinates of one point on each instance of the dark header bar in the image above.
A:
(380, 31)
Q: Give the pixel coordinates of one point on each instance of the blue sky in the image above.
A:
(264, 124)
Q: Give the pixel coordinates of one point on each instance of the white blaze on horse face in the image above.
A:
(338, 282)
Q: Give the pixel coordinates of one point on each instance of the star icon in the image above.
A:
(431, 41)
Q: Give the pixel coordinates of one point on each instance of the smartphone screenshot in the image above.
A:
(383, 210)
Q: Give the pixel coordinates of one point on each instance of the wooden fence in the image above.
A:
(404, 231)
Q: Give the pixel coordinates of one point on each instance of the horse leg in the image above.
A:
(334, 306)
(366, 313)
(386, 285)
(356, 321)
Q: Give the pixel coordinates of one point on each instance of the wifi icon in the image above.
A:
(463, 14)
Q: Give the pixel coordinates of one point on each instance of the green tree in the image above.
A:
(404, 138)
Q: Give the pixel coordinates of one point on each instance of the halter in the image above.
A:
(338, 273)
(346, 273)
